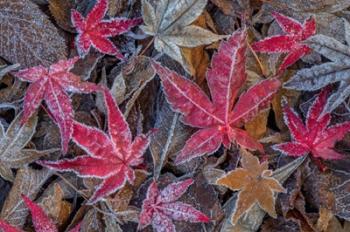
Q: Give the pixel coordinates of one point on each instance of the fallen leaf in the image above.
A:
(161, 207)
(110, 157)
(60, 10)
(255, 185)
(220, 119)
(27, 36)
(169, 23)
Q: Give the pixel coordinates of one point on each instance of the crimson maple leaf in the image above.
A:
(94, 31)
(41, 222)
(110, 157)
(315, 137)
(161, 207)
(219, 120)
(291, 42)
(50, 84)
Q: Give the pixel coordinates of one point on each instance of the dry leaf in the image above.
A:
(27, 35)
(61, 10)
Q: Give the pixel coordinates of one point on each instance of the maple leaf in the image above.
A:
(315, 137)
(219, 120)
(50, 84)
(255, 186)
(12, 143)
(94, 31)
(291, 42)
(169, 22)
(41, 222)
(319, 76)
(110, 157)
(161, 207)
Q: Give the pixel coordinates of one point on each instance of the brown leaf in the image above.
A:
(27, 36)
(61, 11)
(29, 183)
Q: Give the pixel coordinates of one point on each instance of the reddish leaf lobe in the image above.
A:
(160, 208)
(219, 120)
(51, 84)
(94, 31)
(315, 137)
(41, 222)
(110, 156)
(291, 42)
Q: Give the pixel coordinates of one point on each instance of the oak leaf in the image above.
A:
(51, 84)
(315, 137)
(41, 222)
(319, 76)
(169, 22)
(111, 157)
(219, 120)
(291, 42)
(255, 185)
(94, 31)
(160, 208)
(12, 143)
(27, 35)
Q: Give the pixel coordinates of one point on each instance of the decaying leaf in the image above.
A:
(219, 120)
(28, 182)
(169, 22)
(315, 136)
(12, 143)
(161, 207)
(319, 76)
(60, 10)
(255, 184)
(27, 36)
(6, 69)
(110, 157)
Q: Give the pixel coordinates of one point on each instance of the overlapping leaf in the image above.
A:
(111, 157)
(160, 208)
(41, 222)
(315, 137)
(291, 42)
(12, 143)
(93, 31)
(51, 84)
(169, 22)
(255, 186)
(219, 120)
(319, 76)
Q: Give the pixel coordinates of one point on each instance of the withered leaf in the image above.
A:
(6, 69)
(61, 10)
(27, 36)
(12, 154)
(28, 182)
(318, 76)
(169, 22)
(255, 184)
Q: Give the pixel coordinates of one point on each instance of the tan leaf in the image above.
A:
(255, 184)
(169, 22)
(29, 183)
(61, 10)
(27, 36)
(258, 126)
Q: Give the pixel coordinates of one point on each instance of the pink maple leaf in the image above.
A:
(51, 84)
(94, 31)
(41, 222)
(111, 157)
(161, 207)
(291, 42)
(315, 137)
(219, 119)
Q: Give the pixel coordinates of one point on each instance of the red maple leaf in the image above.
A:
(94, 31)
(219, 120)
(50, 84)
(291, 42)
(315, 137)
(161, 207)
(41, 222)
(110, 157)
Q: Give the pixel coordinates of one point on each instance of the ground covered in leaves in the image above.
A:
(164, 115)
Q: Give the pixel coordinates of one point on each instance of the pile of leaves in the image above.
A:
(163, 115)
